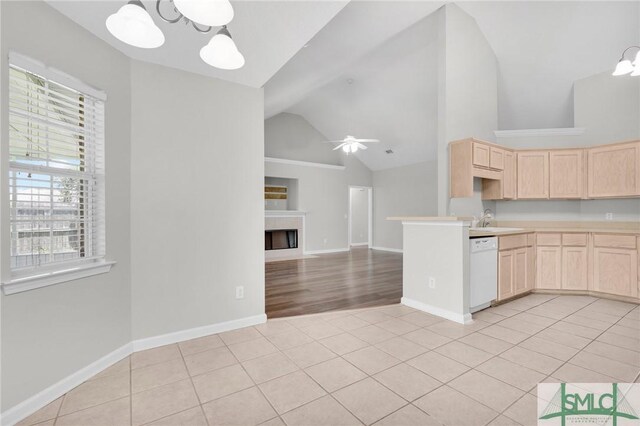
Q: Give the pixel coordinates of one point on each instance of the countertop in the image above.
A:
(632, 228)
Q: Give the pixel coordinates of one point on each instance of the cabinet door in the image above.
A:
(566, 173)
(509, 176)
(496, 158)
(505, 274)
(615, 271)
(533, 174)
(614, 171)
(574, 268)
(520, 264)
(549, 264)
(531, 268)
(481, 155)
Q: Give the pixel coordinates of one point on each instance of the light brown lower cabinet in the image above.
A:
(515, 267)
(549, 267)
(505, 274)
(575, 270)
(615, 271)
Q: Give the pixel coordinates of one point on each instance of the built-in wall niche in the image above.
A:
(281, 239)
(280, 193)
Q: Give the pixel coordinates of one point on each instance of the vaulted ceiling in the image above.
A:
(541, 48)
(268, 33)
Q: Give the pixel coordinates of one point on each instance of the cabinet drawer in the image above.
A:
(512, 241)
(575, 240)
(549, 239)
(531, 239)
(614, 241)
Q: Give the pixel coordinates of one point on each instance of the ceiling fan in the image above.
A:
(352, 144)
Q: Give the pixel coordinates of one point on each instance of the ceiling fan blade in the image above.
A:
(340, 146)
(360, 146)
(367, 140)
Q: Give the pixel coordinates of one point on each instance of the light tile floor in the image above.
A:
(387, 366)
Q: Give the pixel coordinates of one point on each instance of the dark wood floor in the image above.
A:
(356, 279)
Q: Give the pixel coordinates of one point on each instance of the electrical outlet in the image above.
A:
(432, 282)
(324, 241)
(608, 216)
(240, 292)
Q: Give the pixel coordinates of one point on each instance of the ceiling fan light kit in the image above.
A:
(625, 66)
(351, 144)
(133, 25)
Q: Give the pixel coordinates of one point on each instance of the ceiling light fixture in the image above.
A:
(625, 66)
(133, 25)
(221, 52)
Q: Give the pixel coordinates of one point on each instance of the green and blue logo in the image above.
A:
(588, 403)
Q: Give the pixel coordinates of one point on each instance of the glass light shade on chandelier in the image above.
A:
(133, 25)
(221, 52)
(206, 12)
(636, 68)
(625, 66)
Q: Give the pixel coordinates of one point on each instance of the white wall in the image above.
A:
(468, 98)
(608, 108)
(322, 192)
(290, 136)
(402, 191)
(197, 200)
(359, 200)
(52, 332)
(544, 46)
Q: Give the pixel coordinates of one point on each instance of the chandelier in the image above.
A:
(625, 66)
(133, 25)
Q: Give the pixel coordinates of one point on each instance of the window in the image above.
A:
(56, 171)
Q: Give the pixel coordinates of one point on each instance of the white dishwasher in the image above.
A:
(483, 272)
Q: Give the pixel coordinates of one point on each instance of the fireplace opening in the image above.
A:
(281, 239)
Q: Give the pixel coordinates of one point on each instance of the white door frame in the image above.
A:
(370, 215)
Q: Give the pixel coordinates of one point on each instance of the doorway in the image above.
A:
(360, 216)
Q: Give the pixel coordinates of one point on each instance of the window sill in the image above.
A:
(32, 282)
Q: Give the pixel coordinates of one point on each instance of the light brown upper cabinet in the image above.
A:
(533, 174)
(566, 173)
(614, 170)
(509, 176)
(496, 158)
(481, 155)
(469, 159)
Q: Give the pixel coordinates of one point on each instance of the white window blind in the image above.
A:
(56, 173)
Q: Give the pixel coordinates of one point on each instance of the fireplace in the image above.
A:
(281, 239)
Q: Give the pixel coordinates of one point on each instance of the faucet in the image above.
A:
(486, 217)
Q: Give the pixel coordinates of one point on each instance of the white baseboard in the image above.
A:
(194, 333)
(359, 244)
(434, 310)
(393, 250)
(24, 409)
(339, 250)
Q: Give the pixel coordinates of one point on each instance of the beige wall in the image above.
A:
(323, 193)
(50, 333)
(196, 198)
(468, 98)
(608, 108)
(402, 191)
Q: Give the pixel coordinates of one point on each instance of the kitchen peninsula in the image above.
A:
(586, 258)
